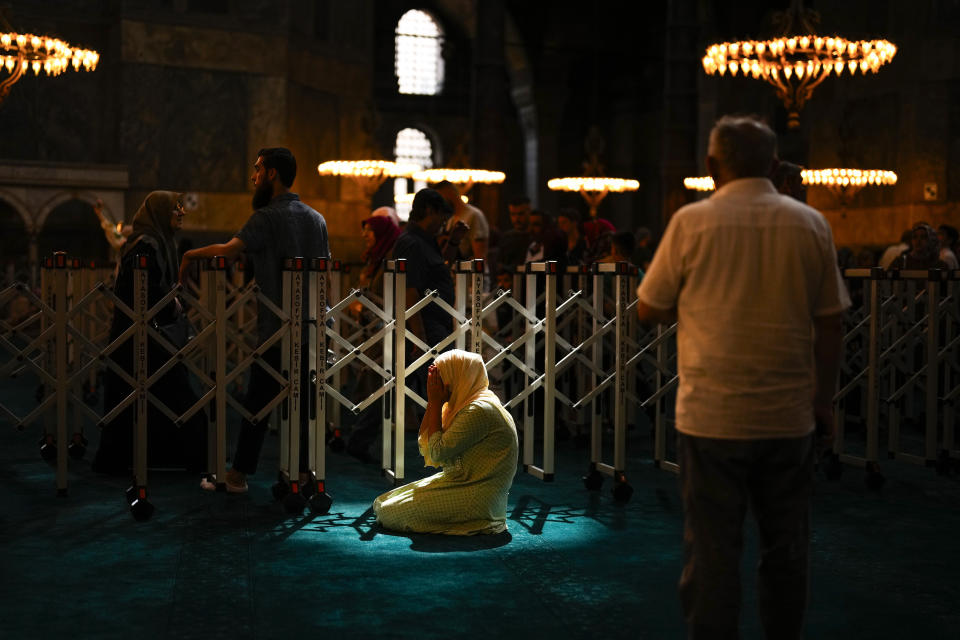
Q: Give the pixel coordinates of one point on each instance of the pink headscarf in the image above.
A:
(386, 233)
(389, 212)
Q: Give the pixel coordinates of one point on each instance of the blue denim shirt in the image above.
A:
(284, 228)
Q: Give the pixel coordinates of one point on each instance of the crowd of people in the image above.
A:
(920, 248)
(759, 334)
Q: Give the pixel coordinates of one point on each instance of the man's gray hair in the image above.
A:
(743, 145)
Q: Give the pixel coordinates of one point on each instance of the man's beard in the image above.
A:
(262, 195)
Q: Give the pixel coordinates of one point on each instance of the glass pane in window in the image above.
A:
(419, 63)
(412, 147)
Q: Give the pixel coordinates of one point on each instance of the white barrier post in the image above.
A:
(296, 266)
(931, 384)
(871, 460)
(140, 374)
(283, 410)
(549, 371)
(596, 412)
(217, 279)
(60, 327)
(389, 366)
(320, 501)
(529, 360)
(395, 460)
(620, 389)
(476, 300)
(549, 324)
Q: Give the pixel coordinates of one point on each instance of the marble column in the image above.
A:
(491, 100)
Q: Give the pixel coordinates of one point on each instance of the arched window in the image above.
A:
(412, 147)
(419, 64)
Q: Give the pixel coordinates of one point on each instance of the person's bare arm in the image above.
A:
(827, 346)
(98, 209)
(230, 250)
(652, 315)
(480, 248)
(451, 245)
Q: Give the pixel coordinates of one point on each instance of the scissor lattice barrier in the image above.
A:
(900, 370)
(556, 345)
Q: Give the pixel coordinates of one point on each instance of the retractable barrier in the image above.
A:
(574, 351)
(857, 400)
(899, 369)
(469, 277)
(948, 349)
(586, 346)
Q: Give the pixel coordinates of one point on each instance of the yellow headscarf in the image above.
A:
(466, 375)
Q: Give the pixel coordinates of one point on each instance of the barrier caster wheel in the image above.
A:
(832, 467)
(309, 488)
(622, 491)
(141, 509)
(875, 480)
(77, 447)
(48, 448)
(593, 480)
(336, 442)
(294, 503)
(320, 503)
(280, 490)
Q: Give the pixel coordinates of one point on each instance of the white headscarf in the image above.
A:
(466, 375)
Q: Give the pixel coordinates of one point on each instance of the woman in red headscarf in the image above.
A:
(379, 233)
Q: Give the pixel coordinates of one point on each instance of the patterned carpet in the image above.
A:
(574, 564)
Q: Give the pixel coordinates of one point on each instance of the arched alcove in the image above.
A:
(14, 253)
(72, 226)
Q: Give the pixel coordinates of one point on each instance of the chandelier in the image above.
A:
(465, 177)
(795, 64)
(842, 182)
(24, 52)
(367, 174)
(593, 189)
(461, 176)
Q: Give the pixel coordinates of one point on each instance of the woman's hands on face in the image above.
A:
(437, 391)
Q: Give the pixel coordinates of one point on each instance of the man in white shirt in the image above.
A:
(475, 243)
(751, 277)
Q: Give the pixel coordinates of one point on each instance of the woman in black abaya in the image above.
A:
(168, 445)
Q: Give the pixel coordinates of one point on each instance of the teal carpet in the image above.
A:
(574, 564)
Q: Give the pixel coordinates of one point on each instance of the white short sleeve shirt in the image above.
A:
(479, 229)
(747, 270)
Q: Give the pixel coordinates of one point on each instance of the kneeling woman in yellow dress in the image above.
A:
(467, 432)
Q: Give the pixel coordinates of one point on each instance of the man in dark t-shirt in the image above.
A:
(514, 242)
(426, 268)
(281, 226)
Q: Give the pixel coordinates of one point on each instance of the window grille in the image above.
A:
(412, 147)
(419, 63)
